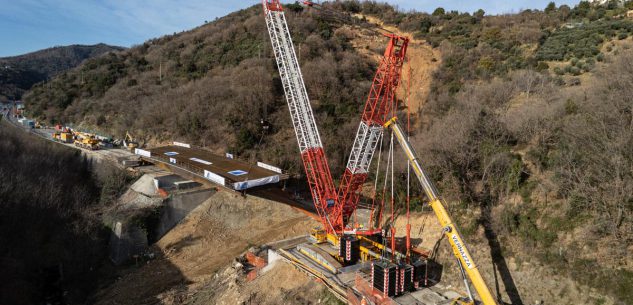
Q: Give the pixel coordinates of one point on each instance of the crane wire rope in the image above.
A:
(250, 167)
(393, 212)
(373, 204)
(384, 187)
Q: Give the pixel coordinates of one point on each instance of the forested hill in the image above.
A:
(212, 86)
(20, 73)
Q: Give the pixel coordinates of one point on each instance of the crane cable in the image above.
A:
(373, 203)
(259, 143)
(407, 100)
(384, 195)
(384, 187)
(393, 212)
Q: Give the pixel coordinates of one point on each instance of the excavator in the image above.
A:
(129, 142)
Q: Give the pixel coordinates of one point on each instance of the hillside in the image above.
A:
(212, 85)
(54, 245)
(19, 73)
(526, 124)
(527, 128)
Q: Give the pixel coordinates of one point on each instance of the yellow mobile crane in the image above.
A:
(465, 261)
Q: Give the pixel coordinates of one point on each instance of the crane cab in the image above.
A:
(318, 235)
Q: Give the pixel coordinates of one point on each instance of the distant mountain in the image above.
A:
(20, 73)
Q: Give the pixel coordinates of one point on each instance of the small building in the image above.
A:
(629, 14)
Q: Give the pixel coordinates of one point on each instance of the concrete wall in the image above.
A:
(129, 238)
(177, 207)
(126, 241)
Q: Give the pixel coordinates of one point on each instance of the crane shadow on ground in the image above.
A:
(499, 264)
(275, 193)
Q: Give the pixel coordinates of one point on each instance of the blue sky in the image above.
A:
(30, 25)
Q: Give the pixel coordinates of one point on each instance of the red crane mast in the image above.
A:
(380, 106)
(334, 207)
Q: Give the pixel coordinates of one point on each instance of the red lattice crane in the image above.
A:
(334, 206)
(380, 107)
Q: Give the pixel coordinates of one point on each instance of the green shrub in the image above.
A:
(582, 41)
(542, 66)
(559, 71)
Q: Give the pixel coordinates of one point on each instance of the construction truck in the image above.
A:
(63, 137)
(86, 141)
(129, 142)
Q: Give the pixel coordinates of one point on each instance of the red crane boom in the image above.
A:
(379, 108)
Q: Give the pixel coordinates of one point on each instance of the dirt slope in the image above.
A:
(207, 240)
(281, 285)
(417, 73)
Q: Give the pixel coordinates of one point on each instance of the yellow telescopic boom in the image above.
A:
(455, 239)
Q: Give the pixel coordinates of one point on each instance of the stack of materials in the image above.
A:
(419, 274)
(349, 249)
(384, 277)
(405, 278)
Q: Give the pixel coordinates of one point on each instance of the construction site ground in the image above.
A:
(207, 240)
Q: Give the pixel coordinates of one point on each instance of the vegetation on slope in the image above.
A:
(19, 73)
(543, 155)
(211, 86)
(53, 243)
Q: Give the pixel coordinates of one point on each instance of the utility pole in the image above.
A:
(160, 69)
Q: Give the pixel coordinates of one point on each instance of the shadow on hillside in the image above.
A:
(51, 262)
(146, 281)
(53, 246)
(275, 193)
(499, 263)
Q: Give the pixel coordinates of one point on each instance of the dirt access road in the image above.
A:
(112, 155)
